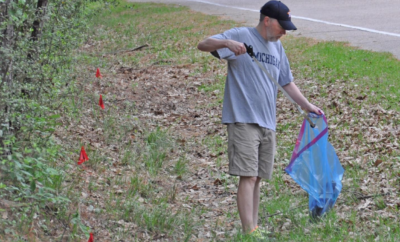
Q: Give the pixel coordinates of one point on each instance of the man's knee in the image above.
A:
(250, 179)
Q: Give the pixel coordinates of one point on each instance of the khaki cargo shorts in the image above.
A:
(251, 150)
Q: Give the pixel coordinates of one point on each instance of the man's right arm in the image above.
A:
(210, 45)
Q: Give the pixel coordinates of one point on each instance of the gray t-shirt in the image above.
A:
(250, 97)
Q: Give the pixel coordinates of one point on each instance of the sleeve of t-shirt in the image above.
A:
(285, 75)
(225, 53)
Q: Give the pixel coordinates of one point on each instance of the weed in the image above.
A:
(180, 167)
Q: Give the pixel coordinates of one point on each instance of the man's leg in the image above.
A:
(243, 153)
(256, 201)
(245, 202)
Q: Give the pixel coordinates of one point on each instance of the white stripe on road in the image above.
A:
(308, 19)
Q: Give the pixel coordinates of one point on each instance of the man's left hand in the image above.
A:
(314, 109)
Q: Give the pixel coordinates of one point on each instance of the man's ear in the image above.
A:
(267, 21)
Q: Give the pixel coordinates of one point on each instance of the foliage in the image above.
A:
(36, 77)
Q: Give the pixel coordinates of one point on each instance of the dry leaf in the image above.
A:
(377, 163)
(217, 182)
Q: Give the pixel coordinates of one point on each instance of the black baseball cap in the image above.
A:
(280, 12)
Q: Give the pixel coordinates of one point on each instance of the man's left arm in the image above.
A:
(295, 93)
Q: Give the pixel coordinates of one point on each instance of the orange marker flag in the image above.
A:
(98, 74)
(91, 239)
(101, 104)
(83, 156)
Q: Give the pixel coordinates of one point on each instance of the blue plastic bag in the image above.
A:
(315, 166)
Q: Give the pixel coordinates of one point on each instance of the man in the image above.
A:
(249, 107)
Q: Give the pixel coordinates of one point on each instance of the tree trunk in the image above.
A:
(38, 23)
(6, 44)
(6, 65)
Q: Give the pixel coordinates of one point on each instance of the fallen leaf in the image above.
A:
(377, 163)
(217, 182)
(195, 187)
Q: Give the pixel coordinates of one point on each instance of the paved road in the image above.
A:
(368, 24)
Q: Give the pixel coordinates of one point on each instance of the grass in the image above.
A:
(163, 38)
(372, 74)
(149, 177)
(180, 167)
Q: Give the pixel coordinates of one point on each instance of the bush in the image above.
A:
(36, 77)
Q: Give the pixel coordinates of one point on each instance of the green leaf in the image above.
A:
(33, 186)
(26, 173)
(54, 116)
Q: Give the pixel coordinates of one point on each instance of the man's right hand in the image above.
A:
(236, 47)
